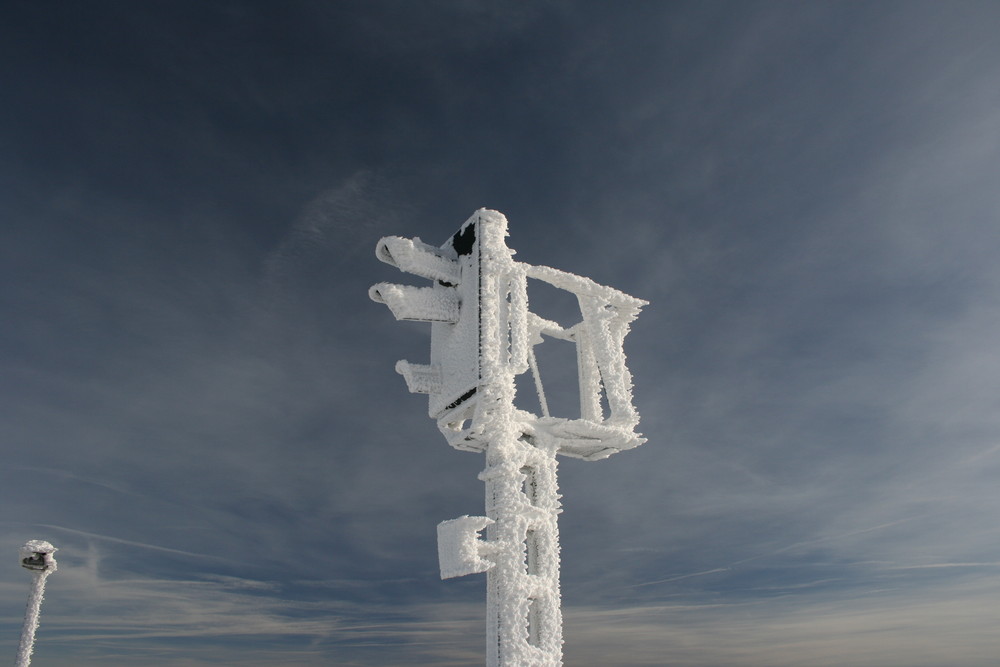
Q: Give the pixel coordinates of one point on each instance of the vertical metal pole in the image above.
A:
(31, 615)
(524, 621)
(37, 557)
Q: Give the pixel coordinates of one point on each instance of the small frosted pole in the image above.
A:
(36, 556)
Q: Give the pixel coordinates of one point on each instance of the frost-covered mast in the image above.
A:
(483, 336)
(37, 557)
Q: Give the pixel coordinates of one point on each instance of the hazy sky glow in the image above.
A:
(197, 398)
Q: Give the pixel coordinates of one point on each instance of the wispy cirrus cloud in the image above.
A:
(887, 624)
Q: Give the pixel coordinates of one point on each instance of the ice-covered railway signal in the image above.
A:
(483, 336)
(449, 304)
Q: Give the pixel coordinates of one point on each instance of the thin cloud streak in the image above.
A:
(920, 626)
(132, 543)
(790, 548)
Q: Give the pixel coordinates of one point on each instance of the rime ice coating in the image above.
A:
(478, 307)
(460, 549)
(36, 556)
(483, 335)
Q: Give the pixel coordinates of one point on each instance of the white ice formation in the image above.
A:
(483, 336)
(36, 556)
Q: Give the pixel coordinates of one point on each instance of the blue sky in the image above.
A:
(198, 404)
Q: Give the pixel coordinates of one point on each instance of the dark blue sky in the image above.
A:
(197, 398)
